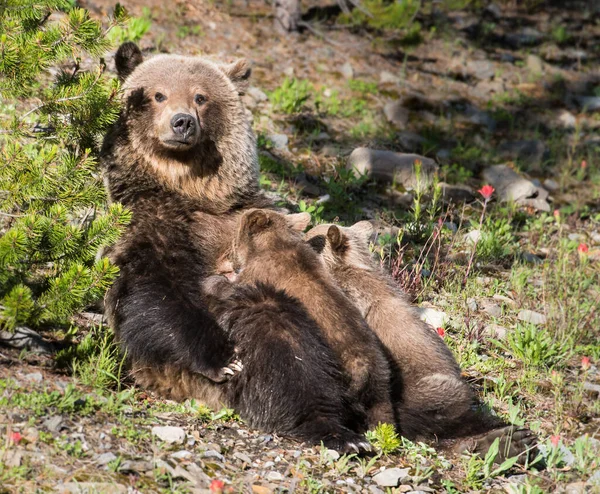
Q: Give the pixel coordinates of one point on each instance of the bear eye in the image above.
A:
(199, 99)
(160, 97)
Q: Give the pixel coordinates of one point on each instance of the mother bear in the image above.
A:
(182, 157)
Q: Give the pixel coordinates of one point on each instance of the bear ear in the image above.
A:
(363, 229)
(239, 73)
(256, 221)
(128, 57)
(298, 221)
(335, 237)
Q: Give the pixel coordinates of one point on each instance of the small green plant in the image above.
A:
(560, 35)
(291, 96)
(315, 210)
(363, 87)
(185, 31)
(479, 470)
(385, 438)
(133, 29)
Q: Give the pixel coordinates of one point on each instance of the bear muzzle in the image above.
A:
(184, 131)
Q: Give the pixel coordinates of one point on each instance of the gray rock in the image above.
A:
(473, 236)
(472, 304)
(551, 185)
(211, 453)
(388, 78)
(396, 114)
(54, 424)
(433, 317)
(453, 227)
(504, 299)
(457, 193)
(525, 37)
(105, 458)
(169, 434)
(595, 236)
(411, 141)
(531, 316)
(595, 478)
(375, 490)
(391, 477)
(181, 455)
(256, 94)
(589, 103)
(531, 258)
(274, 477)
(332, 454)
(91, 488)
(577, 488)
(242, 457)
(535, 64)
(35, 377)
(510, 186)
(388, 166)
(347, 70)
(491, 308)
(592, 389)
(567, 120)
(24, 337)
(279, 141)
(140, 466)
(531, 152)
(576, 237)
(480, 69)
(495, 331)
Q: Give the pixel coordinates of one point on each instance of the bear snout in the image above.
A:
(184, 125)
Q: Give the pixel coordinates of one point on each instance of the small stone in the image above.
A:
(347, 70)
(531, 258)
(576, 237)
(388, 166)
(504, 299)
(211, 453)
(567, 120)
(256, 94)
(480, 69)
(396, 114)
(531, 316)
(279, 141)
(274, 477)
(375, 490)
(169, 434)
(289, 71)
(242, 457)
(139, 466)
(388, 78)
(527, 36)
(35, 377)
(181, 455)
(261, 489)
(91, 487)
(577, 488)
(105, 458)
(269, 464)
(472, 304)
(495, 331)
(551, 185)
(589, 103)
(53, 424)
(535, 64)
(433, 317)
(491, 308)
(332, 454)
(511, 186)
(592, 389)
(473, 236)
(595, 478)
(457, 193)
(595, 236)
(391, 477)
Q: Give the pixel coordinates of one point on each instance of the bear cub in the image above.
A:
(292, 385)
(268, 250)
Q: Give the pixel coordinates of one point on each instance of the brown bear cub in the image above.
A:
(431, 398)
(292, 385)
(268, 249)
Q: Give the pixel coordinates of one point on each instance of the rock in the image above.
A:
(551, 185)
(396, 114)
(24, 337)
(391, 477)
(527, 36)
(595, 478)
(140, 466)
(567, 120)
(577, 488)
(332, 454)
(268, 464)
(410, 141)
(457, 193)
(589, 103)
(274, 477)
(576, 237)
(105, 458)
(211, 453)
(53, 424)
(504, 299)
(261, 489)
(531, 152)
(592, 389)
(388, 78)
(534, 63)
(388, 166)
(531, 316)
(494, 310)
(279, 141)
(531, 258)
(472, 304)
(256, 94)
(35, 377)
(242, 457)
(510, 186)
(181, 455)
(473, 236)
(347, 71)
(595, 236)
(480, 69)
(375, 490)
(433, 317)
(169, 434)
(91, 488)
(495, 331)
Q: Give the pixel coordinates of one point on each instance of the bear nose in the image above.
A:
(183, 124)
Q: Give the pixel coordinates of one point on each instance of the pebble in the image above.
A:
(473, 236)
(211, 453)
(490, 308)
(589, 103)
(269, 464)
(472, 304)
(347, 70)
(504, 299)
(567, 120)
(242, 457)
(279, 141)
(551, 185)
(35, 377)
(274, 477)
(332, 454)
(105, 458)
(257, 95)
(53, 424)
(531, 316)
(496, 331)
(87, 487)
(592, 389)
(577, 488)
(169, 434)
(433, 317)
(595, 478)
(576, 237)
(531, 258)
(535, 64)
(375, 490)
(391, 477)
(386, 77)
(181, 455)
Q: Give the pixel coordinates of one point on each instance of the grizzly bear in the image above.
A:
(431, 398)
(315, 405)
(269, 248)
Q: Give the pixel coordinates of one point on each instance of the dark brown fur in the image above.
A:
(268, 248)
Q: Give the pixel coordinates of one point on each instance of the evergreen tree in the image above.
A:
(56, 102)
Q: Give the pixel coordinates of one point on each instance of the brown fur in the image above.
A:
(268, 248)
(431, 383)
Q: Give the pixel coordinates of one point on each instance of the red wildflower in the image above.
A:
(217, 486)
(585, 363)
(16, 437)
(556, 213)
(583, 165)
(582, 248)
(555, 440)
(486, 191)
(441, 332)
